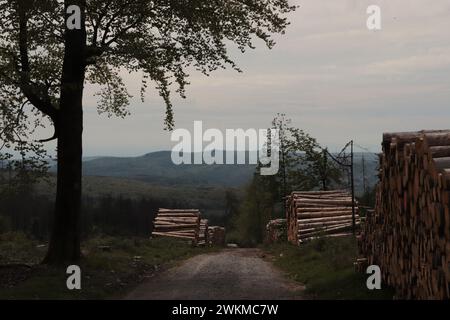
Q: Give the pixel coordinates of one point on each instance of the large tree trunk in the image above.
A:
(64, 247)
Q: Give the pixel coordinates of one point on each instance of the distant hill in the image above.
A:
(157, 168)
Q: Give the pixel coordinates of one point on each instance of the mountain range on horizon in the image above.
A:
(157, 168)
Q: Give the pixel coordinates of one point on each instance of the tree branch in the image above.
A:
(53, 137)
(108, 24)
(37, 97)
(123, 31)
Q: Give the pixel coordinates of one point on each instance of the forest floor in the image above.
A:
(229, 274)
(109, 269)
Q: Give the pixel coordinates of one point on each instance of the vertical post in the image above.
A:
(364, 174)
(9, 175)
(325, 169)
(353, 189)
(283, 161)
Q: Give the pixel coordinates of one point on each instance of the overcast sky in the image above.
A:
(336, 79)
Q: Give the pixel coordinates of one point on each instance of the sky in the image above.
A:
(332, 76)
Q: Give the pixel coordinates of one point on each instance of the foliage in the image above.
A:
(21, 163)
(17, 247)
(248, 224)
(159, 39)
(5, 224)
(303, 166)
(368, 198)
(231, 207)
(110, 206)
(44, 66)
(26, 212)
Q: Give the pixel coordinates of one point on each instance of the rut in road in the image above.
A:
(229, 274)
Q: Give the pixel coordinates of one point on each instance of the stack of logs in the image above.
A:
(276, 231)
(187, 224)
(408, 234)
(313, 214)
(216, 236)
(178, 223)
(203, 233)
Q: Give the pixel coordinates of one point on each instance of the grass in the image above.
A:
(325, 267)
(105, 274)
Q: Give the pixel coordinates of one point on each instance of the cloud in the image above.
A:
(437, 59)
(335, 78)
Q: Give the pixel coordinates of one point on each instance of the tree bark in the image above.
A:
(64, 246)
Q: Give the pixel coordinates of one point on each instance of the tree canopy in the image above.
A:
(162, 40)
(45, 64)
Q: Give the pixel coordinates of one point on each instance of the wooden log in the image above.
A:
(298, 198)
(440, 151)
(175, 226)
(161, 210)
(181, 223)
(162, 234)
(442, 163)
(320, 229)
(322, 224)
(321, 196)
(324, 209)
(171, 224)
(176, 218)
(320, 192)
(185, 221)
(408, 233)
(437, 137)
(337, 235)
(180, 231)
(306, 206)
(313, 205)
(325, 219)
(326, 231)
(181, 214)
(345, 202)
(313, 215)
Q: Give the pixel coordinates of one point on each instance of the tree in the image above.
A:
(231, 206)
(248, 224)
(302, 162)
(304, 165)
(326, 170)
(44, 65)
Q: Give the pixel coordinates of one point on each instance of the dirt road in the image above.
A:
(229, 274)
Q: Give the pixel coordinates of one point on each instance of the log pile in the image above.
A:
(203, 232)
(276, 231)
(312, 214)
(178, 223)
(408, 234)
(216, 236)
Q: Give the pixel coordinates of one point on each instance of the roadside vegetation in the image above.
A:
(110, 266)
(303, 165)
(325, 267)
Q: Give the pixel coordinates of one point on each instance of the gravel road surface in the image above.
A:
(230, 274)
